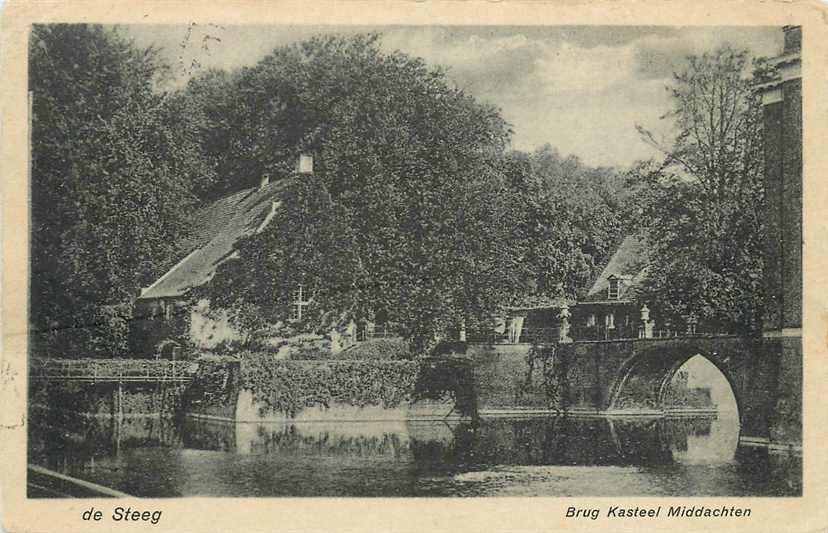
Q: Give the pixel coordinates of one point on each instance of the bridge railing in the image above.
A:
(545, 335)
(110, 369)
(603, 333)
(627, 332)
(538, 335)
(528, 335)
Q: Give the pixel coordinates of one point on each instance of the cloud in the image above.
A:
(581, 89)
(572, 68)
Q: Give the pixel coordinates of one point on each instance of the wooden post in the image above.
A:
(120, 399)
(29, 169)
(119, 418)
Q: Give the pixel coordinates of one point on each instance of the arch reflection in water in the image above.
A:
(699, 384)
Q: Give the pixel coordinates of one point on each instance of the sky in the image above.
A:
(581, 89)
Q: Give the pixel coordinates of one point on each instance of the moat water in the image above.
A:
(548, 456)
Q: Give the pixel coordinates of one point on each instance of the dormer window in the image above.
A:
(614, 289)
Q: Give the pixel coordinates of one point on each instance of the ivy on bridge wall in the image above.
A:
(289, 386)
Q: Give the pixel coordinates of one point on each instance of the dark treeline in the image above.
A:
(417, 208)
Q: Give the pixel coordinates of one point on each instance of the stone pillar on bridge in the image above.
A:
(563, 330)
(648, 325)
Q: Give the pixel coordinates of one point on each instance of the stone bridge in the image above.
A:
(631, 376)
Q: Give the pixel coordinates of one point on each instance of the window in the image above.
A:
(590, 320)
(167, 307)
(614, 289)
(299, 303)
(609, 321)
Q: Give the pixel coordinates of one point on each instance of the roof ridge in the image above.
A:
(599, 270)
(217, 228)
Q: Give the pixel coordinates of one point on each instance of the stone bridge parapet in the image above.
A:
(630, 376)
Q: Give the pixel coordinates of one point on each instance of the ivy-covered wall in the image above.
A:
(289, 387)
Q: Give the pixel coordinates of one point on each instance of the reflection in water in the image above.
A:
(535, 456)
(698, 383)
(714, 442)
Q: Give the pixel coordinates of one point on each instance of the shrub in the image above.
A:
(289, 386)
(215, 385)
(377, 349)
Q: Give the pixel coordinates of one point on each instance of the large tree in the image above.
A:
(411, 167)
(439, 225)
(703, 206)
(572, 219)
(114, 166)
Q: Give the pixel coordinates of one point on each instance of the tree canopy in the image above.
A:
(436, 224)
(417, 211)
(114, 168)
(703, 205)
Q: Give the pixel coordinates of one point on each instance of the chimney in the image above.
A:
(306, 164)
(264, 181)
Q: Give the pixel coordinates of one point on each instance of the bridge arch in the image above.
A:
(644, 378)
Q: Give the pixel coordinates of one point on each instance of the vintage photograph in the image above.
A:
(414, 261)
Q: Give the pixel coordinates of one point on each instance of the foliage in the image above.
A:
(215, 385)
(448, 379)
(571, 219)
(289, 386)
(307, 243)
(374, 349)
(703, 206)
(542, 358)
(413, 213)
(113, 165)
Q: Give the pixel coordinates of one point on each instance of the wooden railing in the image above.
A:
(112, 370)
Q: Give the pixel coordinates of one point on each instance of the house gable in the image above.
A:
(627, 268)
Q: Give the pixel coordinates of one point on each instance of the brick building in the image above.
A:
(782, 105)
(782, 327)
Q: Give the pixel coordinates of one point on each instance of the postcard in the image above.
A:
(414, 266)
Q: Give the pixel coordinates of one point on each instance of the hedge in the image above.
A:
(288, 386)
(382, 349)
